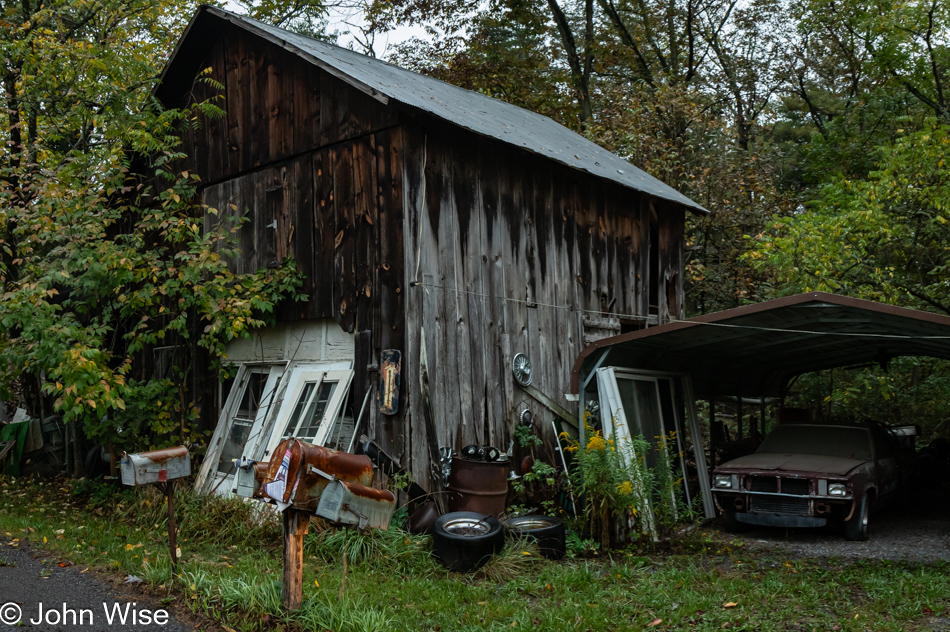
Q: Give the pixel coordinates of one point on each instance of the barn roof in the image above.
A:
(465, 108)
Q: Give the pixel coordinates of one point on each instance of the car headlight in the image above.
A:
(837, 489)
(722, 481)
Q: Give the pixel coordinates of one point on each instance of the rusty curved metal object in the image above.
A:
(160, 456)
(316, 466)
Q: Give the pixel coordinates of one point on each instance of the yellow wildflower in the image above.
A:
(596, 443)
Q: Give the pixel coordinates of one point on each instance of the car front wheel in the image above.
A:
(857, 527)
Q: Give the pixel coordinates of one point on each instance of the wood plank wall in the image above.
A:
(510, 253)
(314, 168)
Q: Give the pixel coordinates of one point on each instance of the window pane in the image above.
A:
(234, 444)
(298, 409)
(642, 408)
(253, 394)
(316, 411)
(243, 420)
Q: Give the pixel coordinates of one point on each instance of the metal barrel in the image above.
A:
(479, 486)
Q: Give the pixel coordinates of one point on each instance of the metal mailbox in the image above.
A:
(299, 472)
(355, 504)
(157, 466)
(247, 480)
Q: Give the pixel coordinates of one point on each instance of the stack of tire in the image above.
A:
(463, 541)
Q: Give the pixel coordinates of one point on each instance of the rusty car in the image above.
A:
(812, 475)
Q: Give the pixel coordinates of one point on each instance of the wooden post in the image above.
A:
(296, 523)
(172, 527)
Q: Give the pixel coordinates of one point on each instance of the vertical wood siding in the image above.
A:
(511, 253)
(507, 252)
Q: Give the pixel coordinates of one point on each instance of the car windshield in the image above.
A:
(852, 443)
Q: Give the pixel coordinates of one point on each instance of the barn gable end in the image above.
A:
(412, 231)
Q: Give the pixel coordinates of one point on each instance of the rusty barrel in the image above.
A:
(479, 486)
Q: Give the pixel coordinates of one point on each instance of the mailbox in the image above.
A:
(247, 480)
(299, 472)
(157, 466)
(355, 504)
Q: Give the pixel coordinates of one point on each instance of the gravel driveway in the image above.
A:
(29, 577)
(919, 533)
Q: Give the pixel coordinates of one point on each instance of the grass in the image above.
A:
(230, 571)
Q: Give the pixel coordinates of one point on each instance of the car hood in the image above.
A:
(794, 463)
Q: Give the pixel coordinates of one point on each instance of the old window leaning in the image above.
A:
(270, 402)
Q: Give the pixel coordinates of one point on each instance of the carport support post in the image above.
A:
(295, 523)
(712, 431)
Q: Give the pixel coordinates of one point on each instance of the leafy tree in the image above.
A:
(883, 238)
(103, 252)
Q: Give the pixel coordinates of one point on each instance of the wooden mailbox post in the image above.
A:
(313, 480)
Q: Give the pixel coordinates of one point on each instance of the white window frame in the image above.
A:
(209, 478)
(613, 419)
(296, 383)
(284, 385)
(611, 408)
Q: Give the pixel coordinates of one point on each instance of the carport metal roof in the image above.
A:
(755, 350)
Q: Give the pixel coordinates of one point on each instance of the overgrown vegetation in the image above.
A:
(392, 583)
(621, 496)
(103, 254)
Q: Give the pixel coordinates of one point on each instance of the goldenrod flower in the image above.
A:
(596, 443)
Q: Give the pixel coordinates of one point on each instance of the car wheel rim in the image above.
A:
(531, 525)
(466, 527)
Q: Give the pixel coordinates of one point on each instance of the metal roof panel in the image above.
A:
(465, 108)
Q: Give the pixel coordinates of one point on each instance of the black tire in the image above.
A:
(547, 531)
(856, 529)
(463, 541)
(731, 524)
(94, 465)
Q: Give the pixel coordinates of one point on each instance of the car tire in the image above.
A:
(856, 529)
(547, 531)
(464, 541)
(731, 524)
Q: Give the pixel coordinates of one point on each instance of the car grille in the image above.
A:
(779, 505)
(770, 485)
(764, 484)
(797, 486)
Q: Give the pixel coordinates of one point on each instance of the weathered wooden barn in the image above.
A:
(428, 219)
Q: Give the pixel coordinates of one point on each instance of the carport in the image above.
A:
(752, 351)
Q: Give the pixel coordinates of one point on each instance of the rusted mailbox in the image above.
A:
(306, 479)
(333, 485)
(161, 467)
(300, 472)
(157, 466)
(355, 504)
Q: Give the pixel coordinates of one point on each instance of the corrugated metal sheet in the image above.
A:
(754, 350)
(467, 109)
